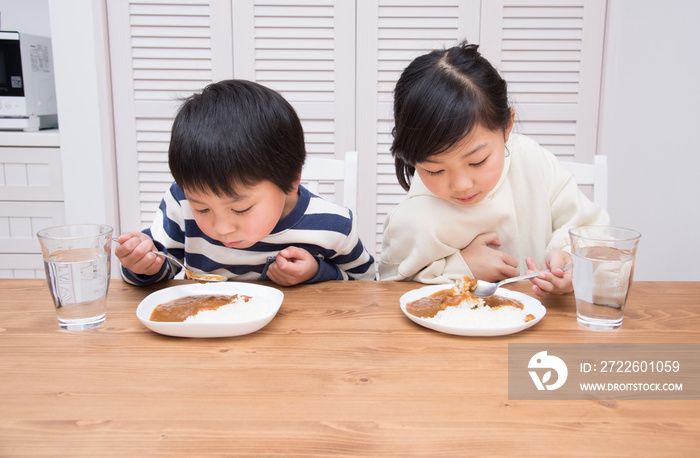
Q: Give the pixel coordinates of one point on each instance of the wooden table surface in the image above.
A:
(340, 371)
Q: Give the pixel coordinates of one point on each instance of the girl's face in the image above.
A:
(470, 169)
(241, 221)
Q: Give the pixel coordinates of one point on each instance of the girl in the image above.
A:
(482, 201)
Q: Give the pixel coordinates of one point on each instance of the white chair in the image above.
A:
(321, 170)
(595, 175)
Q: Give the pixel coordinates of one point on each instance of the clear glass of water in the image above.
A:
(603, 258)
(77, 259)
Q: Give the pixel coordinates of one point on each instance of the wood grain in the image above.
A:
(339, 372)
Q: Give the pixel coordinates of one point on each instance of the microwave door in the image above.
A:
(11, 80)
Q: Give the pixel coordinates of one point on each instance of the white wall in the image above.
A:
(648, 128)
(28, 16)
(85, 111)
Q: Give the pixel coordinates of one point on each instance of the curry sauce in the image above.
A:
(184, 307)
(429, 306)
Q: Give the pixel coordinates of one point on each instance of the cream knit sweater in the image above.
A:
(531, 210)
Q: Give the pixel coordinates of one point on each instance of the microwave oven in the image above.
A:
(27, 89)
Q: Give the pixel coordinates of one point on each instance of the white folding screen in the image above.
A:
(400, 31)
(160, 53)
(305, 50)
(164, 51)
(549, 51)
(337, 62)
(551, 56)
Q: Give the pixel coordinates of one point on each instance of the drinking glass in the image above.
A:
(77, 259)
(603, 258)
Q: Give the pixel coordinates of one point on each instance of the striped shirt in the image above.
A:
(324, 229)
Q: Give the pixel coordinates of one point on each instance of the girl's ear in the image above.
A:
(509, 127)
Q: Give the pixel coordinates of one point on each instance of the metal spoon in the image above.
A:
(486, 289)
(202, 278)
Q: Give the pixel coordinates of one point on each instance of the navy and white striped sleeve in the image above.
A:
(166, 232)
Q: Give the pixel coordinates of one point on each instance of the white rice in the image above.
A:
(237, 311)
(483, 316)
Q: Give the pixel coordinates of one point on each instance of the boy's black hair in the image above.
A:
(438, 100)
(236, 133)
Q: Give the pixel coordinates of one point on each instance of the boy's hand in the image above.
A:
(293, 266)
(487, 263)
(134, 252)
(555, 282)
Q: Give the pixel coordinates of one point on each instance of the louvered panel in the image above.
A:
(406, 29)
(154, 178)
(142, 33)
(298, 82)
(171, 48)
(318, 133)
(304, 55)
(171, 58)
(171, 53)
(437, 9)
(561, 128)
(524, 23)
(286, 37)
(156, 65)
(541, 52)
(557, 137)
(389, 192)
(175, 7)
(395, 27)
(556, 34)
(151, 192)
(299, 48)
(295, 54)
(542, 9)
(538, 65)
(302, 35)
(158, 155)
(171, 42)
(148, 20)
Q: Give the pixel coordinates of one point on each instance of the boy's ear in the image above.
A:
(295, 185)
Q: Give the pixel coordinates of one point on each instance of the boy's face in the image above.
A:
(241, 221)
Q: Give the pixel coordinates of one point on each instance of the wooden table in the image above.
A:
(339, 371)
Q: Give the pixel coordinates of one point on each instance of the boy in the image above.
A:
(236, 207)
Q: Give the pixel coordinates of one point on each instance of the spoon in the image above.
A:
(486, 289)
(201, 278)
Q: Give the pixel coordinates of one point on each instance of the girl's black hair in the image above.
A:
(236, 133)
(439, 98)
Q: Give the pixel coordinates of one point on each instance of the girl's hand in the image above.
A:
(555, 282)
(293, 266)
(488, 263)
(134, 252)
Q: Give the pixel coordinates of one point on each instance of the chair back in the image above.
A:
(592, 175)
(322, 170)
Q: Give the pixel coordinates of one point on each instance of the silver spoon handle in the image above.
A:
(169, 257)
(530, 275)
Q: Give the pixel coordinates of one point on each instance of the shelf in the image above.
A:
(42, 138)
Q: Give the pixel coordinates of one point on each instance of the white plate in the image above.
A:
(272, 296)
(531, 305)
